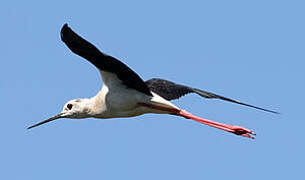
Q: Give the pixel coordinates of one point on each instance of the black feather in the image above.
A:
(83, 48)
(170, 91)
(167, 89)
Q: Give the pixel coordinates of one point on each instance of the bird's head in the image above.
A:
(74, 109)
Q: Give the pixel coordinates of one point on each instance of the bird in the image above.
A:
(124, 94)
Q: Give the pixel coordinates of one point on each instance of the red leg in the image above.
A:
(238, 130)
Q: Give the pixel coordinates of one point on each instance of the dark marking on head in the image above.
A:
(69, 106)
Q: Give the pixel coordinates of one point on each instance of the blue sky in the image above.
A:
(252, 51)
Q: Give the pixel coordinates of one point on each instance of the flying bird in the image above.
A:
(125, 94)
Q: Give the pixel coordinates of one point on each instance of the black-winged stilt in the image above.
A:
(125, 94)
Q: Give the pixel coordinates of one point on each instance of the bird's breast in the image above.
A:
(118, 102)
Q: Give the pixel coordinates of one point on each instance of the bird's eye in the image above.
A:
(69, 106)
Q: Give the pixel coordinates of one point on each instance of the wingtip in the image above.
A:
(30, 127)
(64, 29)
(274, 112)
(65, 26)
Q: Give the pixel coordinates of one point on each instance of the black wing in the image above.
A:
(170, 91)
(83, 48)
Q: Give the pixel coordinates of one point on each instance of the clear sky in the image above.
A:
(251, 51)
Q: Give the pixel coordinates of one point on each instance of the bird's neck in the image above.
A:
(86, 105)
(98, 104)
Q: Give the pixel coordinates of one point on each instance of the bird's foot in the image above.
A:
(240, 131)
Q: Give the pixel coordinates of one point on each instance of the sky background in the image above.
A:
(251, 51)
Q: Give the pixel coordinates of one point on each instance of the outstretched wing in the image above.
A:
(170, 91)
(103, 62)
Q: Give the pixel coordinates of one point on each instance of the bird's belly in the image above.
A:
(137, 111)
(121, 103)
(124, 102)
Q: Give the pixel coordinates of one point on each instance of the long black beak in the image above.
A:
(48, 120)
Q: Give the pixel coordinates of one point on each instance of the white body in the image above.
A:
(115, 100)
